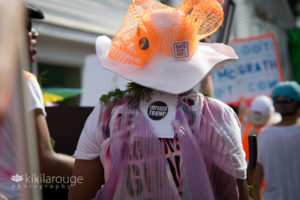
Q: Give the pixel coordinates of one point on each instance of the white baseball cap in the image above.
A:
(262, 111)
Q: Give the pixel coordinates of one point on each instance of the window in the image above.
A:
(58, 76)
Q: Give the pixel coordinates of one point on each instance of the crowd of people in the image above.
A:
(160, 138)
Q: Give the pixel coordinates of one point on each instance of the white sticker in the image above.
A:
(181, 49)
(160, 111)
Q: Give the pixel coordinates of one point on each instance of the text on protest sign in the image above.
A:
(255, 73)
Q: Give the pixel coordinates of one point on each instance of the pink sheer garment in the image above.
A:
(138, 165)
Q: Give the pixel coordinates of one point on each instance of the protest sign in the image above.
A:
(255, 73)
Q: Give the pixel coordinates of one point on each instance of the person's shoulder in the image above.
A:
(218, 109)
(266, 132)
(276, 128)
(31, 80)
(271, 128)
(28, 75)
(267, 129)
(212, 102)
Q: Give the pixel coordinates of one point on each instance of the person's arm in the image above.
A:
(88, 166)
(258, 177)
(243, 189)
(232, 126)
(51, 163)
(207, 87)
(92, 174)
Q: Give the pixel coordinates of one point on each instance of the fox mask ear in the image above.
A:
(207, 15)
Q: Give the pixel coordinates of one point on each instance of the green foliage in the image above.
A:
(134, 90)
(112, 96)
(42, 78)
(294, 46)
(250, 190)
(52, 142)
(139, 92)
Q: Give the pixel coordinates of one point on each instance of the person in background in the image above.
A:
(51, 163)
(261, 114)
(206, 85)
(207, 88)
(278, 159)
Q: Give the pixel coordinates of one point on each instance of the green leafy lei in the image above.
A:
(134, 90)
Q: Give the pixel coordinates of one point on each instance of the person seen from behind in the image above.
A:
(160, 139)
(278, 158)
(261, 114)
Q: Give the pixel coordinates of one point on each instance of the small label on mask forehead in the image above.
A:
(181, 49)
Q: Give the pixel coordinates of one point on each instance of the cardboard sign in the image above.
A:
(255, 73)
